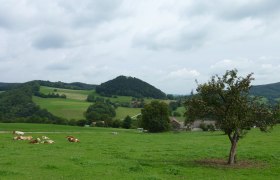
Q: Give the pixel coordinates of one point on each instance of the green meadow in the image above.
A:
(74, 106)
(134, 155)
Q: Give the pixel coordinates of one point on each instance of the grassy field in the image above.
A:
(134, 155)
(75, 105)
(74, 109)
(66, 108)
(81, 94)
(181, 110)
(122, 112)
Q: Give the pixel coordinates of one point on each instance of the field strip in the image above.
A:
(43, 132)
(55, 132)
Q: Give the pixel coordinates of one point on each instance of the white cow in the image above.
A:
(20, 133)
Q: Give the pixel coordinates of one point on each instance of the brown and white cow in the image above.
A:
(72, 139)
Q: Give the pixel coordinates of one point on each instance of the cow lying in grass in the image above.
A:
(35, 141)
(19, 133)
(44, 140)
(23, 138)
(72, 139)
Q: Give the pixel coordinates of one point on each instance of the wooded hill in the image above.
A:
(16, 105)
(129, 86)
(269, 91)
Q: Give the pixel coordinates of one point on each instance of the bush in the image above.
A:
(127, 122)
(81, 122)
(116, 123)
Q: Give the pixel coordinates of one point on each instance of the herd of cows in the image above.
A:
(42, 140)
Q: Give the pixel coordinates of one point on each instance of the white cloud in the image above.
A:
(184, 74)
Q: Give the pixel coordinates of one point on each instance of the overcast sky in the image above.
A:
(167, 43)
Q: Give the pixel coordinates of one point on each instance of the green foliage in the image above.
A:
(129, 86)
(116, 123)
(8, 86)
(49, 95)
(127, 122)
(173, 105)
(100, 111)
(91, 98)
(155, 117)
(176, 114)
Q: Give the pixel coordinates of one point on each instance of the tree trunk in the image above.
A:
(232, 153)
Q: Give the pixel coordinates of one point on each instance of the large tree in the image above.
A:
(155, 117)
(227, 100)
(100, 111)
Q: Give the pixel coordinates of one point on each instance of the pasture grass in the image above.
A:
(74, 109)
(122, 112)
(182, 111)
(134, 155)
(66, 108)
(70, 94)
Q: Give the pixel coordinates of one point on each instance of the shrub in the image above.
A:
(127, 122)
(116, 123)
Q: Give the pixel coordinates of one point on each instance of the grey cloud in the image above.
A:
(4, 21)
(91, 13)
(257, 9)
(58, 67)
(180, 42)
(50, 41)
(232, 10)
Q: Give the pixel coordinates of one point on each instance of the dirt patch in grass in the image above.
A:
(222, 163)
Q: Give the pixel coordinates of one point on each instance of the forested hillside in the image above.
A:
(129, 86)
(269, 91)
(16, 105)
(8, 86)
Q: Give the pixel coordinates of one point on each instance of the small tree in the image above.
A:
(226, 100)
(155, 117)
(127, 122)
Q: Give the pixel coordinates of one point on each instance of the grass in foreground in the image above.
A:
(133, 155)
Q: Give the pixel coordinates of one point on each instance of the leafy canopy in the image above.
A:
(155, 117)
(100, 111)
(226, 99)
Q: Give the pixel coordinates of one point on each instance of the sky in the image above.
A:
(167, 43)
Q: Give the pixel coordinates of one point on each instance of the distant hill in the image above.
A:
(59, 84)
(129, 86)
(74, 85)
(269, 91)
(8, 86)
